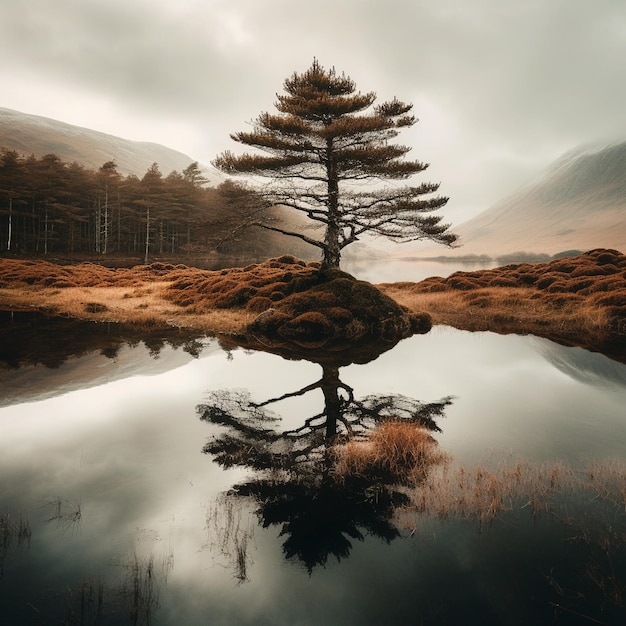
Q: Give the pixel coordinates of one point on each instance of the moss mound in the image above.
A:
(338, 313)
(256, 287)
(300, 306)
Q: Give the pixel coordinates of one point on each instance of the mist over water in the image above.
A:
(399, 270)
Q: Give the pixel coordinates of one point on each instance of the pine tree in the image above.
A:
(327, 151)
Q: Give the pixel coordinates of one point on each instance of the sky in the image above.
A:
(501, 88)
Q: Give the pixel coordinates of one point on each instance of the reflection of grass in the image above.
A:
(140, 588)
(231, 530)
(66, 514)
(395, 451)
(12, 534)
(131, 599)
(587, 508)
(85, 605)
(484, 493)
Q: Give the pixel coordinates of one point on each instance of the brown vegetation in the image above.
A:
(397, 451)
(485, 493)
(282, 299)
(578, 301)
(89, 291)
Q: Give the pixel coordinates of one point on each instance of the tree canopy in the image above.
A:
(327, 150)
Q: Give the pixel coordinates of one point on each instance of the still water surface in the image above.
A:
(112, 512)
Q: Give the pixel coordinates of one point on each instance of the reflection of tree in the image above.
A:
(28, 338)
(298, 486)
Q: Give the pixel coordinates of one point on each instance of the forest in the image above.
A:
(50, 207)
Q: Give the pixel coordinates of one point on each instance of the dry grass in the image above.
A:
(157, 294)
(136, 299)
(577, 301)
(507, 309)
(309, 307)
(47, 274)
(556, 488)
(396, 451)
(574, 301)
(256, 287)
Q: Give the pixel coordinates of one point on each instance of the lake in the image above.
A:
(173, 481)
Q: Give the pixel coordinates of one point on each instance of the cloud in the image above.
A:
(501, 87)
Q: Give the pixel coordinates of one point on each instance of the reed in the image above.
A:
(485, 493)
(13, 534)
(230, 529)
(67, 514)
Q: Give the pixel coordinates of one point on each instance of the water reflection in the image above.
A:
(590, 368)
(129, 524)
(325, 482)
(15, 535)
(32, 338)
(42, 357)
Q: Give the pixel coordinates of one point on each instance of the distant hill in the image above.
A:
(579, 203)
(32, 134)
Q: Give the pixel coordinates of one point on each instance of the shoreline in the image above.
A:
(589, 311)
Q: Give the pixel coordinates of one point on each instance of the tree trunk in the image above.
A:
(97, 226)
(331, 251)
(332, 401)
(145, 258)
(106, 220)
(10, 224)
(331, 247)
(45, 233)
(119, 223)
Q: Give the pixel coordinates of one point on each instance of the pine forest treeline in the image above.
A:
(48, 206)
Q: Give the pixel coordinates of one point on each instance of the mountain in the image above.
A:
(578, 204)
(32, 134)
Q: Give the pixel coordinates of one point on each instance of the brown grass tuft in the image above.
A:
(396, 451)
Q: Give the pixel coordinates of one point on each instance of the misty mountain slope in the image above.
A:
(32, 134)
(579, 203)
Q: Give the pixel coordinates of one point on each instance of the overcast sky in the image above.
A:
(501, 87)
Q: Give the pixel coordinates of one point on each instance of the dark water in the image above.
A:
(115, 510)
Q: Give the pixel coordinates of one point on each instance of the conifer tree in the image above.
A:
(327, 151)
